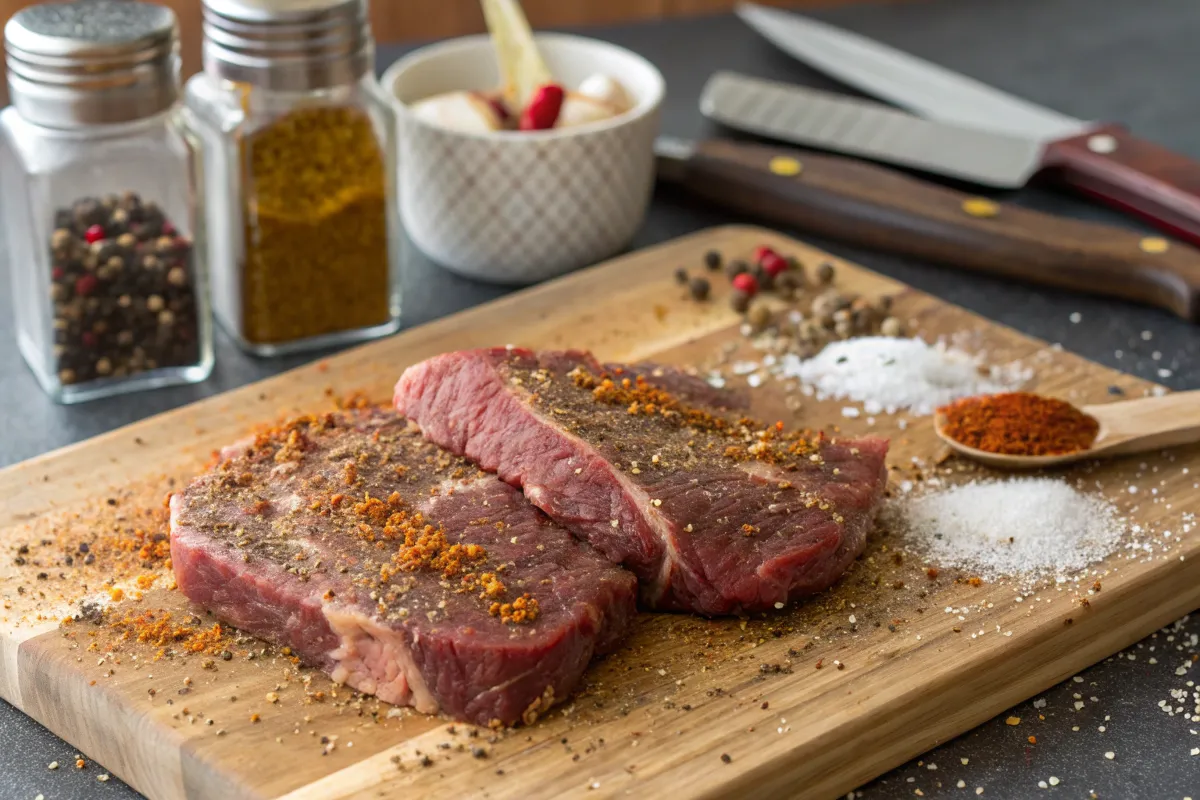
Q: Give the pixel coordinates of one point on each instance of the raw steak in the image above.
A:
(397, 568)
(713, 514)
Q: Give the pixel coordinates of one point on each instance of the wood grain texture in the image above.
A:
(656, 718)
(878, 207)
(1134, 175)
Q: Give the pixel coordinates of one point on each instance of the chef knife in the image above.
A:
(1099, 159)
(873, 206)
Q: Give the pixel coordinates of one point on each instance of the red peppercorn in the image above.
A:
(58, 273)
(89, 339)
(94, 234)
(746, 284)
(773, 264)
(168, 229)
(542, 111)
(761, 252)
(86, 284)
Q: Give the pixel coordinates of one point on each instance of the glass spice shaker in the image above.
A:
(300, 185)
(96, 168)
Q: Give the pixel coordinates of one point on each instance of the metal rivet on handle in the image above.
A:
(1101, 143)
(785, 166)
(1154, 244)
(980, 207)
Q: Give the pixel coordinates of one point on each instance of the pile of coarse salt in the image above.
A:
(887, 374)
(1023, 527)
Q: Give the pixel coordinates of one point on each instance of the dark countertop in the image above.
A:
(1132, 61)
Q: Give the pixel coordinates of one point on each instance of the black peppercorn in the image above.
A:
(712, 260)
(740, 301)
(699, 288)
(121, 284)
(766, 281)
(736, 267)
(681, 276)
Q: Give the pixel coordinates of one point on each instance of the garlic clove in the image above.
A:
(459, 111)
(606, 89)
(578, 109)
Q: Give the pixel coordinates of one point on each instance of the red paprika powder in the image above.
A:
(1018, 424)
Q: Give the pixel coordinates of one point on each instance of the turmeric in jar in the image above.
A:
(316, 227)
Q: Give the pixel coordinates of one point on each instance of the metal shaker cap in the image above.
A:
(92, 62)
(287, 45)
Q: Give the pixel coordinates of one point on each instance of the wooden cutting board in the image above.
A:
(809, 702)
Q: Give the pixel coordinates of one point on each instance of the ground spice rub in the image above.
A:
(715, 512)
(355, 488)
(396, 567)
(1018, 423)
(316, 229)
(746, 438)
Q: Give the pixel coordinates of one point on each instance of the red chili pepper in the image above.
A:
(761, 252)
(543, 109)
(94, 234)
(744, 282)
(773, 264)
(86, 284)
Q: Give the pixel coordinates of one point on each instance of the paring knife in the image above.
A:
(887, 210)
(1099, 159)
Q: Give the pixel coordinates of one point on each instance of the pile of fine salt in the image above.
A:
(888, 374)
(1024, 527)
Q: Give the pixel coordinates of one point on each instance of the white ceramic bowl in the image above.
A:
(518, 207)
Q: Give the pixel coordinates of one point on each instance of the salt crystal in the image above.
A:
(1024, 526)
(895, 373)
(850, 411)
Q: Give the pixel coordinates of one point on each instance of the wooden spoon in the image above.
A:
(1128, 427)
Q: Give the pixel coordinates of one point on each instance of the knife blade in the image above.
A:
(1101, 160)
(920, 86)
(883, 209)
(861, 128)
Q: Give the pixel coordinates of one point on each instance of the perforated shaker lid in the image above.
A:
(98, 61)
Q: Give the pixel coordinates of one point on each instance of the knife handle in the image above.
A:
(1133, 175)
(876, 207)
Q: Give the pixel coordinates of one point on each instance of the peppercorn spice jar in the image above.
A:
(300, 191)
(96, 168)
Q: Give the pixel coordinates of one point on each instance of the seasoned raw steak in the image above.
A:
(398, 568)
(713, 514)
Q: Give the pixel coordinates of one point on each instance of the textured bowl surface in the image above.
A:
(521, 207)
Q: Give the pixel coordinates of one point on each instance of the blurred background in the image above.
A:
(405, 20)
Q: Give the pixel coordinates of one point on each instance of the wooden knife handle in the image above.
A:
(1132, 175)
(864, 204)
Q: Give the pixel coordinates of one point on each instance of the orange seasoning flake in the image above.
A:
(523, 609)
